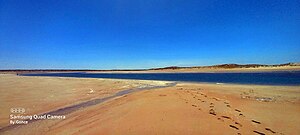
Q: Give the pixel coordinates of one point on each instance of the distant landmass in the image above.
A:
(230, 66)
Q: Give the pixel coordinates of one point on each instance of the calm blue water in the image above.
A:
(262, 78)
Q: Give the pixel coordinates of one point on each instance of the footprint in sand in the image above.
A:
(268, 129)
(237, 110)
(226, 117)
(254, 121)
(232, 126)
(212, 112)
(216, 99)
(260, 133)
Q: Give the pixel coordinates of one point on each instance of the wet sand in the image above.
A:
(187, 108)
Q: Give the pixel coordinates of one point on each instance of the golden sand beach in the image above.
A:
(186, 108)
(149, 67)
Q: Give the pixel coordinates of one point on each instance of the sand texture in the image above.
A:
(187, 108)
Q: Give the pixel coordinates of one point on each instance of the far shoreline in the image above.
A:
(166, 70)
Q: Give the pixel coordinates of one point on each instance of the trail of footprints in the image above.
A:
(203, 98)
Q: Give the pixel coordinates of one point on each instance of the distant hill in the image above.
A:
(229, 66)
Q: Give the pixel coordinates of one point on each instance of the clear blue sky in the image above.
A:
(111, 34)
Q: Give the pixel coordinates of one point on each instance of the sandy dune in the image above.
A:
(186, 108)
